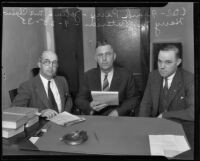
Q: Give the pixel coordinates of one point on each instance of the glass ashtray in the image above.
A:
(75, 138)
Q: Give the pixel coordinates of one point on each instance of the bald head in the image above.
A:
(48, 53)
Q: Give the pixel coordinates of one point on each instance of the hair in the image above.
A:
(102, 43)
(172, 47)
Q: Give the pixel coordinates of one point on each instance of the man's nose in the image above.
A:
(162, 65)
(104, 57)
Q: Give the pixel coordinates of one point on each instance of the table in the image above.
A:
(131, 133)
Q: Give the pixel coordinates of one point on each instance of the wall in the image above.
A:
(171, 23)
(49, 29)
(174, 23)
(89, 38)
(22, 42)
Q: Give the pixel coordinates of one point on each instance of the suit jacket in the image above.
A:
(122, 81)
(181, 96)
(32, 94)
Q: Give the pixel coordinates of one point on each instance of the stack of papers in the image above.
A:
(168, 145)
(66, 118)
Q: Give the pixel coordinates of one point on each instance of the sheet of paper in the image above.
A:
(106, 97)
(168, 145)
(34, 139)
(65, 117)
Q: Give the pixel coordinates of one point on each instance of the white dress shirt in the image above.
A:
(109, 77)
(169, 79)
(54, 90)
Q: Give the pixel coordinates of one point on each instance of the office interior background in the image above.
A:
(72, 33)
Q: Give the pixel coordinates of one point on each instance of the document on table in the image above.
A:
(66, 118)
(106, 97)
(168, 145)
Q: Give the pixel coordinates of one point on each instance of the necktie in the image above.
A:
(105, 83)
(166, 88)
(51, 98)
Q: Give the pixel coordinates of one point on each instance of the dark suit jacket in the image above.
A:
(122, 81)
(181, 96)
(32, 94)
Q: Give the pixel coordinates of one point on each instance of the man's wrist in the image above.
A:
(91, 112)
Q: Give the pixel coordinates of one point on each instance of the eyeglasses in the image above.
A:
(47, 62)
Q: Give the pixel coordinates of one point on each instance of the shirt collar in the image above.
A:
(44, 80)
(110, 73)
(170, 78)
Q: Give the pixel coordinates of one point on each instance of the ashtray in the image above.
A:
(75, 138)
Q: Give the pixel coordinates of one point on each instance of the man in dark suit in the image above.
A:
(46, 91)
(170, 89)
(107, 78)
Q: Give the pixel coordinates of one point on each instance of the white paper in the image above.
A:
(168, 145)
(106, 97)
(34, 139)
(66, 117)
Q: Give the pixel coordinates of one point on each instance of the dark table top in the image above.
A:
(13, 145)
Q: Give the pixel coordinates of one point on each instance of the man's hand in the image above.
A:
(96, 106)
(114, 113)
(48, 113)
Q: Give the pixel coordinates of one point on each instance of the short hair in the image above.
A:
(102, 43)
(172, 47)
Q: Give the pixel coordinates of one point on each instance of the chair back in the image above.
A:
(12, 94)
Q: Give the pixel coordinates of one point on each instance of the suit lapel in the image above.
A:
(115, 80)
(97, 81)
(41, 91)
(157, 83)
(61, 92)
(175, 86)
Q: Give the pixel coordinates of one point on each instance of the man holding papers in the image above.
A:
(114, 82)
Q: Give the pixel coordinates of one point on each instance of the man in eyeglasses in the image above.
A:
(107, 77)
(47, 92)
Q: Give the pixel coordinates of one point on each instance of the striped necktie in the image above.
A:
(105, 83)
(51, 98)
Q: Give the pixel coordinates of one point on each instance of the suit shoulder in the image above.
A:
(91, 71)
(154, 74)
(187, 76)
(123, 71)
(61, 78)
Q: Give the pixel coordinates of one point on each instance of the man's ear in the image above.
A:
(39, 64)
(95, 57)
(115, 56)
(179, 60)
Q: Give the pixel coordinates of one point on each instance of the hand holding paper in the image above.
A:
(97, 106)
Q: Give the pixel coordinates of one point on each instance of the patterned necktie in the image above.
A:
(105, 83)
(166, 88)
(51, 98)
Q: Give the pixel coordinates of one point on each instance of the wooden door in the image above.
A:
(69, 45)
(127, 29)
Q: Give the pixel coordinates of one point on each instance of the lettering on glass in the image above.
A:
(122, 18)
(167, 19)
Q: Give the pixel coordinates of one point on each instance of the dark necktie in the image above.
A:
(105, 83)
(166, 88)
(51, 98)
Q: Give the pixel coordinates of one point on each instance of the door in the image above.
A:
(69, 45)
(127, 29)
